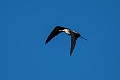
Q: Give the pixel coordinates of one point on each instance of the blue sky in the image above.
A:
(25, 25)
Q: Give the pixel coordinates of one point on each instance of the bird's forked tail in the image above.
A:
(84, 38)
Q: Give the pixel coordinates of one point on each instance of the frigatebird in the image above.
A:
(74, 36)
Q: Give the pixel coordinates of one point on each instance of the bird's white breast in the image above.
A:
(67, 31)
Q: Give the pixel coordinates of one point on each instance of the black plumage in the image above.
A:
(74, 36)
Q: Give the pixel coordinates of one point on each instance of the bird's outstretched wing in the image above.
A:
(73, 41)
(54, 33)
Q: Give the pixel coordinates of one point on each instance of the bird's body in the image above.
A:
(74, 35)
(67, 31)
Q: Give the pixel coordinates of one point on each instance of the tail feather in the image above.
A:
(84, 38)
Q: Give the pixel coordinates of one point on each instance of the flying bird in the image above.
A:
(74, 36)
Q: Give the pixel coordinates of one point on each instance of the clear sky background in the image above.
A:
(25, 25)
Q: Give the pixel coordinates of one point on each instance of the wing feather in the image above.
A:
(54, 33)
(73, 42)
(74, 37)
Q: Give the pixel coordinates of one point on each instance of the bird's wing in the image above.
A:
(73, 42)
(54, 33)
